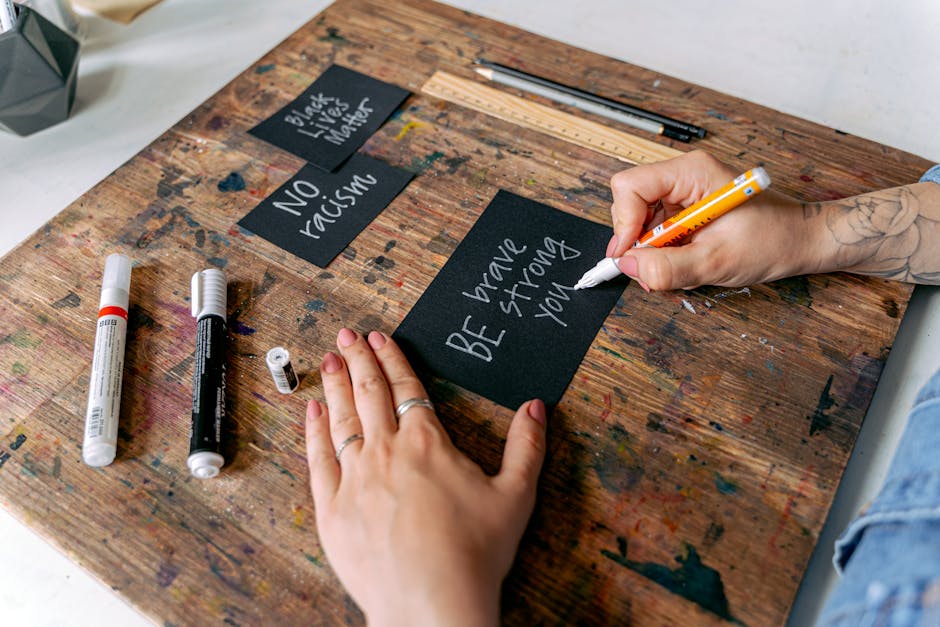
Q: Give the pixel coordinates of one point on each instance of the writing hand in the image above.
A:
(891, 233)
(762, 240)
(416, 531)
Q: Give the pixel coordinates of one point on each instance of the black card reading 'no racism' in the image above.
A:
(333, 117)
(502, 318)
(316, 214)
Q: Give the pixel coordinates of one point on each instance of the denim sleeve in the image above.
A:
(889, 556)
(933, 174)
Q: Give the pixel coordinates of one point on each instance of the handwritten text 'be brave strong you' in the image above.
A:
(517, 282)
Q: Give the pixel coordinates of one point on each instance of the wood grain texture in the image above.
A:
(691, 462)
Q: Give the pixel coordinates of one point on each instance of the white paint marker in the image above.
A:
(205, 439)
(7, 16)
(107, 367)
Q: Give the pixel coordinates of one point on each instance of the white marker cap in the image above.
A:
(208, 293)
(285, 379)
(205, 464)
(99, 453)
(762, 178)
(116, 282)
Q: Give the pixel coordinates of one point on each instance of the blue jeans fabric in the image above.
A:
(889, 557)
(933, 174)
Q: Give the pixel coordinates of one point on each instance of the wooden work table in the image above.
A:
(691, 462)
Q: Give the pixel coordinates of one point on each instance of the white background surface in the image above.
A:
(864, 66)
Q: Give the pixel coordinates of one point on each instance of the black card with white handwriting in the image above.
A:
(501, 318)
(316, 214)
(333, 117)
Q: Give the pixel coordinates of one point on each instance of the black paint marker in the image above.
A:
(208, 307)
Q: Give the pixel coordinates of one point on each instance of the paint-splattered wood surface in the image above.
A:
(692, 460)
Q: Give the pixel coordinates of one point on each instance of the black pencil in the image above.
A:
(678, 125)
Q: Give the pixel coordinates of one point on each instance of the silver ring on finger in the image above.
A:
(347, 442)
(410, 403)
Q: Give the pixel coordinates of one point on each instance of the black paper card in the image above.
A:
(316, 214)
(501, 318)
(333, 117)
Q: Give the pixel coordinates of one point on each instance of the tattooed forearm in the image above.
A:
(894, 234)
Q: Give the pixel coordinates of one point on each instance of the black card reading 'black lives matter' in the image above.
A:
(502, 318)
(316, 214)
(333, 117)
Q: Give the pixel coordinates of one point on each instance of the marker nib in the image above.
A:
(583, 283)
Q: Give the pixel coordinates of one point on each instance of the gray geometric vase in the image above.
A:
(38, 66)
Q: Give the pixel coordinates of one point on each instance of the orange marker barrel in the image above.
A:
(707, 209)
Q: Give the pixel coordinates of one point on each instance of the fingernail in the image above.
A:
(314, 410)
(612, 246)
(346, 337)
(331, 363)
(537, 411)
(629, 266)
(376, 340)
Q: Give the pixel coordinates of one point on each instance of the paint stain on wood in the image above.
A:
(820, 421)
(234, 182)
(692, 580)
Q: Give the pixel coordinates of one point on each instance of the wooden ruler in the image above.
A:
(480, 97)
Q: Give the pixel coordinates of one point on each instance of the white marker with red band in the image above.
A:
(107, 367)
